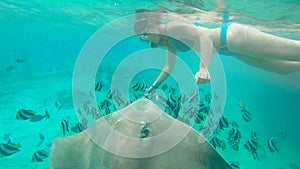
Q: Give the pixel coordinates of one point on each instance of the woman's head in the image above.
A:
(148, 26)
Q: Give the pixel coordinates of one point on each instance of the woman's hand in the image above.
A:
(202, 77)
(149, 91)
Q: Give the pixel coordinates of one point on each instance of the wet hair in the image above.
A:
(147, 14)
(142, 26)
(147, 21)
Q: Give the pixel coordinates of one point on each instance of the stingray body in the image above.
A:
(115, 141)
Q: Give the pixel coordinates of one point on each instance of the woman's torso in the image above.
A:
(184, 36)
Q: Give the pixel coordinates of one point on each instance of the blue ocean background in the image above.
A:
(49, 35)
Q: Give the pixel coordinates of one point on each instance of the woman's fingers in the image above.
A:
(202, 77)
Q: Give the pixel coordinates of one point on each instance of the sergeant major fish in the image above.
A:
(39, 156)
(24, 114)
(31, 115)
(9, 148)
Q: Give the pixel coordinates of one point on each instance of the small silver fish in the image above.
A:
(194, 96)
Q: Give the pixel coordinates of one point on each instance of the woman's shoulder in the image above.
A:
(175, 24)
(178, 27)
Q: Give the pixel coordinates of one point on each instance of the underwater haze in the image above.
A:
(41, 41)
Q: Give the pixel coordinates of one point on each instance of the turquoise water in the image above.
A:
(41, 40)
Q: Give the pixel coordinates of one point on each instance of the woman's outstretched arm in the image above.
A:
(206, 50)
(168, 68)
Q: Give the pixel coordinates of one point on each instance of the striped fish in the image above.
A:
(234, 124)
(247, 116)
(252, 146)
(160, 100)
(208, 98)
(39, 156)
(172, 89)
(234, 136)
(200, 117)
(272, 145)
(105, 103)
(234, 164)
(223, 123)
(9, 148)
(164, 87)
(77, 128)
(242, 106)
(110, 94)
(253, 135)
(216, 142)
(117, 97)
(107, 110)
(136, 86)
(294, 166)
(201, 106)
(24, 114)
(98, 86)
(174, 104)
(64, 127)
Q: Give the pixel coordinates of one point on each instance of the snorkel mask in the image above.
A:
(144, 37)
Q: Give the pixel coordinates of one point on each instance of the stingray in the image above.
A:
(139, 136)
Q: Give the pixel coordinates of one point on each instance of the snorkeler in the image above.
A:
(256, 48)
